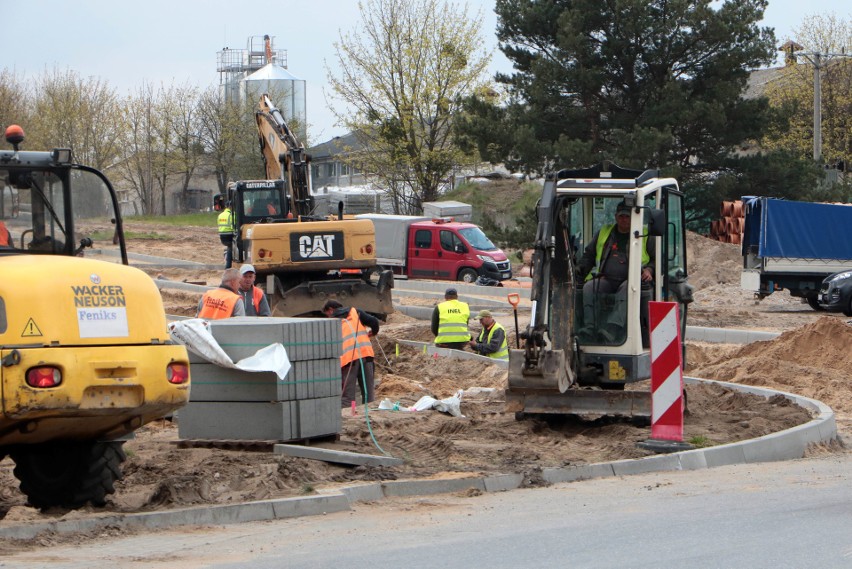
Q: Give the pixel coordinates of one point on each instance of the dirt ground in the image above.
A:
(810, 358)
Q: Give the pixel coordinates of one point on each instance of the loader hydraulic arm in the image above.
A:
(284, 156)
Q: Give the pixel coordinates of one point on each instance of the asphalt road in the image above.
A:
(794, 514)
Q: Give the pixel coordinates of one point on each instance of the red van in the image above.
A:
(441, 249)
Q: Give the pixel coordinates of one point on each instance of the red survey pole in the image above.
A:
(666, 372)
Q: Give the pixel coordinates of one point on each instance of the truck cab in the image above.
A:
(445, 249)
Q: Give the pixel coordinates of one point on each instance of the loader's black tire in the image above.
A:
(68, 474)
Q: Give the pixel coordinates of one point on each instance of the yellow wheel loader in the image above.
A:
(85, 355)
(588, 335)
(301, 259)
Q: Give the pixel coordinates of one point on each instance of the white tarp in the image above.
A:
(195, 334)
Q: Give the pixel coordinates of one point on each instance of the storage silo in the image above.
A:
(286, 91)
(245, 74)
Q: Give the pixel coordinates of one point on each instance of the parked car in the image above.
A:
(835, 295)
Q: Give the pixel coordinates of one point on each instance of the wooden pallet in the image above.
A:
(249, 445)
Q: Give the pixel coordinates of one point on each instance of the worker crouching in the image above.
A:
(491, 341)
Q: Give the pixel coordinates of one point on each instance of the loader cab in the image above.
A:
(50, 206)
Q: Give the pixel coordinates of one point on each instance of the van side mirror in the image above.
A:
(460, 248)
(656, 222)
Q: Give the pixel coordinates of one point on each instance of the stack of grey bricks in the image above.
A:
(229, 404)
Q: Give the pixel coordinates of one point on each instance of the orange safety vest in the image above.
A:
(5, 236)
(356, 342)
(256, 297)
(218, 303)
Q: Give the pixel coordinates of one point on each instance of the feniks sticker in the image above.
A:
(100, 310)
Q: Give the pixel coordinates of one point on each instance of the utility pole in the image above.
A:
(816, 59)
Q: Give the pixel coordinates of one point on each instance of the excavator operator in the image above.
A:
(604, 267)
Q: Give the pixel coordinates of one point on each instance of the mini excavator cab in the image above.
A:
(588, 335)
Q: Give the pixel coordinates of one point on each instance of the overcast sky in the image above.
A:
(177, 40)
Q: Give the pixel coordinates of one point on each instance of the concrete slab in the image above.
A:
(228, 420)
(336, 456)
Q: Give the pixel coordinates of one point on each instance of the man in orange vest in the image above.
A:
(356, 361)
(5, 236)
(224, 301)
(253, 297)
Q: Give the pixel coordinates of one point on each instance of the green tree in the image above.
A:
(228, 132)
(792, 92)
(401, 81)
(14, 101)
(77, 113)
(641, 82)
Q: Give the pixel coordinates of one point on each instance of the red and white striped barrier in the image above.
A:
(666, 372)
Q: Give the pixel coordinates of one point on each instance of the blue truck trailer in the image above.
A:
(791, 245)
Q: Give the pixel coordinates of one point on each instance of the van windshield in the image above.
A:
(477, 239)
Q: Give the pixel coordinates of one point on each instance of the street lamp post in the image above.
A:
(816, 59)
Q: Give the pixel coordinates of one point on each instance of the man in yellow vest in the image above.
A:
(356, 359)
(223, 301)
(491, 341)
(449, 322)
(604, 265)
(225, 224)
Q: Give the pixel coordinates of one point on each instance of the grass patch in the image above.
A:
(146, 235)
(700, 441)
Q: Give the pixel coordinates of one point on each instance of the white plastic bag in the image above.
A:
(451, 405)
(194, 333)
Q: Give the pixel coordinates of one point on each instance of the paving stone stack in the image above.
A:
(229, 404)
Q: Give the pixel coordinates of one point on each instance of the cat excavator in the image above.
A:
(579, 355)
(301, 258)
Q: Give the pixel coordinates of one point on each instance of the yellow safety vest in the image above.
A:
(225, 221)
(603, 235)
(503, 352)
(452, 322)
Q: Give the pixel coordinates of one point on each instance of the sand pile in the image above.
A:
(814, 361)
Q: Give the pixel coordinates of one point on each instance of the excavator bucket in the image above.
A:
(308, 298)
(544, 390)
(550, 373)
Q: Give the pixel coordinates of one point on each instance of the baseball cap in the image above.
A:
(247, 269)
(622, 207)
(451, 292)
(484, 314)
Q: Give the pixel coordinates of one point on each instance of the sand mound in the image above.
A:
(813, 360)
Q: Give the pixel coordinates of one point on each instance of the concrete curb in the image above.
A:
(785, 445)
(454, 354)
